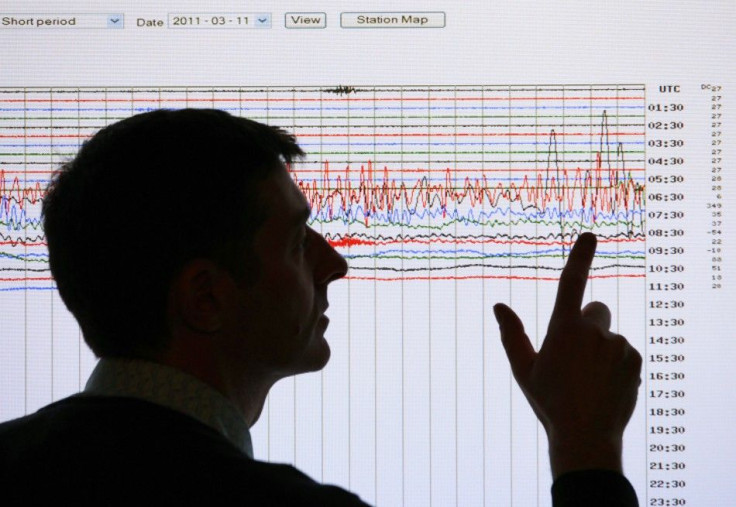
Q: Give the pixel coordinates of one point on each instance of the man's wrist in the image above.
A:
(569, 454)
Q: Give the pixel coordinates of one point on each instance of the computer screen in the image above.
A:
(455, 151)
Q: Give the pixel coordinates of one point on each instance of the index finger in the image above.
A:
(574, 277)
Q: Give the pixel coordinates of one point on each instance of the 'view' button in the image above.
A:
(392, 19)
(305, 20)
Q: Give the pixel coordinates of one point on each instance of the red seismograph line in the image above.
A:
(600, 189)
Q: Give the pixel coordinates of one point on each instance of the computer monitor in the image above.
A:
(455, 150)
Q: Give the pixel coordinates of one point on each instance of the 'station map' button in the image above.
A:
(392, 19)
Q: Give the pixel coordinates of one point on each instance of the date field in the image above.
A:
(220, 20)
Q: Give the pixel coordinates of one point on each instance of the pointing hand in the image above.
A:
(583, 382)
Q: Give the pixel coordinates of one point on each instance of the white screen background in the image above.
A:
(417, 405)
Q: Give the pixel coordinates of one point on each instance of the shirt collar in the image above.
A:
(174, 389)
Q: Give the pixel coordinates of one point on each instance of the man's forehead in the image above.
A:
(285, 200)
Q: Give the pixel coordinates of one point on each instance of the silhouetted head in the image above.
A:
(142, 198)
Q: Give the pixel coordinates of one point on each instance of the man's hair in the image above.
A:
(143, 197)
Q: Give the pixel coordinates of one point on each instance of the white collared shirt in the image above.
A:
(174, 389)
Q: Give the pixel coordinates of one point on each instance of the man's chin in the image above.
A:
(318, 356)
(314, 358)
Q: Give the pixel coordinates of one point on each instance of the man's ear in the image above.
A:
(197, 301)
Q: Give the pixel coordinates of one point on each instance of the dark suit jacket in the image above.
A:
(123, 451)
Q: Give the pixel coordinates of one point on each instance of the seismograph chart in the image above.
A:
(407, 182)
(444, 200)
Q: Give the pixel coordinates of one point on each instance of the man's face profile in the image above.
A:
(282, 314)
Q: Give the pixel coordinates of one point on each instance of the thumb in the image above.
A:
(519, 349)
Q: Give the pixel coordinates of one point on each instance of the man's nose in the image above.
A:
(331, 265)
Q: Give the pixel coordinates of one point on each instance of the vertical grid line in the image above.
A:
(268, 399)
(483, 285)
(322, 371)
(619, 170)
(536, 263)
(295, 384)
(25, 178)
(511, 382)
(429, 288)
(375, 320)
(350, 313)
(455, 113)
(403, 322)
(25, 259)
